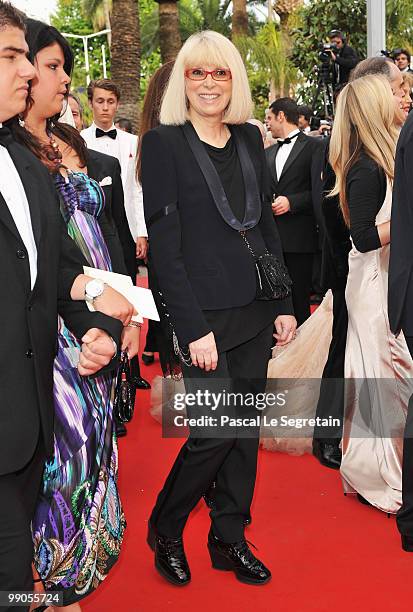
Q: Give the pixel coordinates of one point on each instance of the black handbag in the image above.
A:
(124, 400)
(273, 280)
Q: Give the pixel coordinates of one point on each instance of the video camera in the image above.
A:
(391, 54)
(324, 54)
(323, 125)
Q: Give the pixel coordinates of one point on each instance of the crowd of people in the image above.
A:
(238, 230)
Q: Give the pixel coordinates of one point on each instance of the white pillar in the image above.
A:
(105, 74)
(87, 67)
(376, 26)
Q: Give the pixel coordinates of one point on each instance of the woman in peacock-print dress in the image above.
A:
(79, 522)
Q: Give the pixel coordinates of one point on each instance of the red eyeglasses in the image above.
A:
(199, 74)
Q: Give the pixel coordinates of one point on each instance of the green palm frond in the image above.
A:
(95, 10)
(267, 51)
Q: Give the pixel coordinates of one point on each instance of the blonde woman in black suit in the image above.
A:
(204, 180)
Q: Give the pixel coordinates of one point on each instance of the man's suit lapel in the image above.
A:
(272, 154)
(94, 167)
(28, 178)
(295, 152)
(6, 218)
(97, 171)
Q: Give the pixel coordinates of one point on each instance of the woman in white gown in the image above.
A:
(378, 366)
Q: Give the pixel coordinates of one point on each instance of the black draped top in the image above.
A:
(366, 190)
(234, 326)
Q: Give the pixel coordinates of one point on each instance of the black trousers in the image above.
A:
(316, 286)
(229, 461)
(300, 267)
(331, 400)
(150, 343)
(18, 495)
(405, 514)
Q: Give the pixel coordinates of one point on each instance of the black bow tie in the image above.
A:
(6, 137)
(288, 140)
(112, 133)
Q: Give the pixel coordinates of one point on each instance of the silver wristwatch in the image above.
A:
(93, 289)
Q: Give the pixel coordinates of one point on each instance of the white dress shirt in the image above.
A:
(104, 144)
(12, 190)
(283, 153)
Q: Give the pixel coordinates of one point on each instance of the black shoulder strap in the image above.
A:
(253, 201)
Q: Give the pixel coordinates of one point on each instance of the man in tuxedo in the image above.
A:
(40, 275)
(402, 60)
(295, 168)
(103, 136)
(400, 302)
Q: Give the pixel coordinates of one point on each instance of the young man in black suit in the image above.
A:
(40, 275)
(295, 168)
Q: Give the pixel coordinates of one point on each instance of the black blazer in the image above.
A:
(201, 263)
(113, 221)
(29, 329)
(400, 295)
(300, 183)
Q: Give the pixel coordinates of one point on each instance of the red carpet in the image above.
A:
(326, 552)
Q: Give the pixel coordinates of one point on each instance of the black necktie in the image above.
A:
(6, 137)
(112, 133)
(283, 141)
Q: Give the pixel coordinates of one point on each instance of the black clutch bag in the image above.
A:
(273, 280)
(124, 400)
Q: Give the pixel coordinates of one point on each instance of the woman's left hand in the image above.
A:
(130, 340)
(285, 326)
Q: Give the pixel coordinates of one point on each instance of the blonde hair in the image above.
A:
(408, 80)
(207, 48)
(364, 121)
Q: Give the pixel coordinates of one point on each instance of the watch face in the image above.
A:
(94, 288)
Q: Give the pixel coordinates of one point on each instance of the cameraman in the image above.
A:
(344, 59)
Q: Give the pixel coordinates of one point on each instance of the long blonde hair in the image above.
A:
(364, 122)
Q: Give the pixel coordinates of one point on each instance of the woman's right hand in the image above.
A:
(113, 304)
(204, 352)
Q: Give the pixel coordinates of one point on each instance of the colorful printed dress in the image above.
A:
(79, 523)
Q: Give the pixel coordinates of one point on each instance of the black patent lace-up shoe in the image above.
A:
(407, 543)
(170, 559)
(140, 383)
(239, 559)
(328, 453)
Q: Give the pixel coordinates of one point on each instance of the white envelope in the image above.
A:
(106, 181)
(141, 298)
